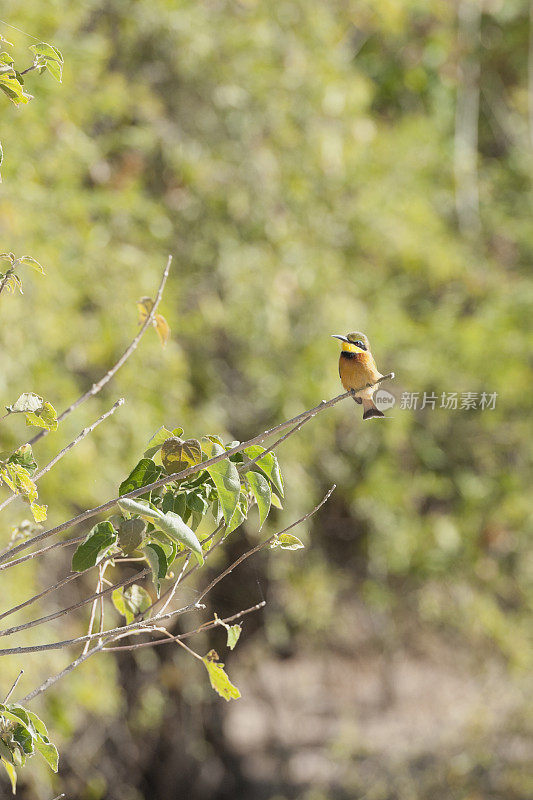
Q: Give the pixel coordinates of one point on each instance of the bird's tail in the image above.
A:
(370, 409)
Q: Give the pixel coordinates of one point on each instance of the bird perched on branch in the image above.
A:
(357, 368)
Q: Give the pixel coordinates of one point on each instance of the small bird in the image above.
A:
(357, 368)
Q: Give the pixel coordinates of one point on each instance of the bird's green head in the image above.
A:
(355, 342)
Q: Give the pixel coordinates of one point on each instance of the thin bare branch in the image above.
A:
(186, 472)
(85, 432)
(247, 464)
(180, 636)
(48, 590)
(98, 598)
(54, 678)
(49, 617)
(97, 387)
(36, 553)
(17, 679)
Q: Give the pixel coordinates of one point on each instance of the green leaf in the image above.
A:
(32, 262)
(19, 481)
(140, 507)
(38, 724)
(218, 678)
(175, 527)
(23, 736)
(28, 401)
(13, 87)
(276, 502)
(268, 465)
(234, 631)
(197, 503)
(226, 480)
(45, 418)
(55, 69)
(157, 559)
(142, 474)
(175, 502)
(47, 51)
(12, 774)
(130, 534)
(286, 541)
(49, 753)
(178, 454)
(239, 515)
(5, 752)
(160, 436)
(39, 512)
(262, 493)
(95, 547)
(131, 601)
(24, 456)
(49, 58)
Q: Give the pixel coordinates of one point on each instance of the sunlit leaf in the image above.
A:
(143, 473)
(32, 262)
(49, 753)
(162, 329)
(28, 401)
(12, 774)
(275, 501)
(226, 480)
(144, 306)
(160, 436)
(141, 508)
(178, 454)
(239, 515)
(39, 512)
(268, 465)
(234, 631)
(177, 529)
(13, 88)
(46, 418)
(218, 677)
(24, 456)
(19, 481)
(286, 541)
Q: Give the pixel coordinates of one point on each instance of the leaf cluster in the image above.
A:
(162, 524)
(10, 280)
(23, 733)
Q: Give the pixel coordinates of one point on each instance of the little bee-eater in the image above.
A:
(357, 368)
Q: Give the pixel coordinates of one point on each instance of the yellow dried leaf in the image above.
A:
(218, 678)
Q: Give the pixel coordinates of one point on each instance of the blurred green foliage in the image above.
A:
(296, 158)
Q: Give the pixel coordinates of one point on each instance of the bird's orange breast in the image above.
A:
(357, 369)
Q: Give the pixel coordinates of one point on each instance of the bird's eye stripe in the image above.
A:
(360, 344)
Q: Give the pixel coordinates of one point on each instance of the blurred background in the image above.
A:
(314, 168)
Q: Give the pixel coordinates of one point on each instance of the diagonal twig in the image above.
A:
(85, 432)
(99, 385)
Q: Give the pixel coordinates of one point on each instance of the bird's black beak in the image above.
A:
(338, 336)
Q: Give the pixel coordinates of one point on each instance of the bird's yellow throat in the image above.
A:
(349, 347)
